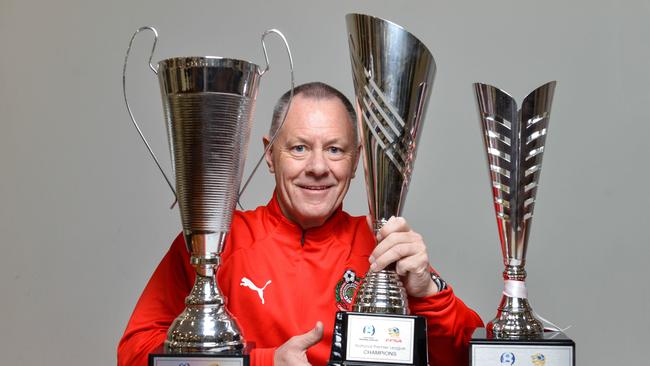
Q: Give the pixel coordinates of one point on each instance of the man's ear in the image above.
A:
(268, 156)
(356, 161)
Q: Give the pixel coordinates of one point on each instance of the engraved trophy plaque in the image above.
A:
(514, 142)
(393, 75)
(208, 104)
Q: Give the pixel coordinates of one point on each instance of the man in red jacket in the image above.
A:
(289, 266)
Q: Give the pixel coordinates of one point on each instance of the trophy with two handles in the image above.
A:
(208, 104)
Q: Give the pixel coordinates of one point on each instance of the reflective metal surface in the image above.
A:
(208, 105)
(393, 75)
(205, 325)
(514, 141)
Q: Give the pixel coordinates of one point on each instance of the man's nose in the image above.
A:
(317, 164)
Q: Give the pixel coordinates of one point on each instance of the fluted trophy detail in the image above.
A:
(208, 104)
(514, 141)
(393, 75)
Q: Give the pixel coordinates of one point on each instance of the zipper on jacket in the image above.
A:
(302, 238)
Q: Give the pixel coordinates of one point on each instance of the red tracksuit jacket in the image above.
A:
(306, 276)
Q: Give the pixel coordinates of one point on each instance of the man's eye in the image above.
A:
(334, 150)
(298, 149)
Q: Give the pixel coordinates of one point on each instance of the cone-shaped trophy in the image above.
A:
(393, 75)
(514, 141)
(208, 105)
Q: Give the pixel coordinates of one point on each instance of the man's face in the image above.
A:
(313, 158)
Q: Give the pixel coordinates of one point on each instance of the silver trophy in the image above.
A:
(208, 105)
(393, 75)
(514, 141)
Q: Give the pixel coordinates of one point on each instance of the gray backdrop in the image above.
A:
(84, 214)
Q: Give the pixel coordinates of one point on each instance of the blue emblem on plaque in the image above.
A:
(507, 358)
(369, 330)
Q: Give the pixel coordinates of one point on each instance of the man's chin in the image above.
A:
(316, 216)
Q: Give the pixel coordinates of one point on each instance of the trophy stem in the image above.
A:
(205, 325)
(515, 319)
(382, 292)
(514, 273)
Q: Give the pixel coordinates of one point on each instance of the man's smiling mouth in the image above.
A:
(314, 188)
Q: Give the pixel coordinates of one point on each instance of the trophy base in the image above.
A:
(551, 348)
(162, 357)
(366, 339)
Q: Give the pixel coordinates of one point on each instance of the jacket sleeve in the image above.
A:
(162, 300)
(450, 324)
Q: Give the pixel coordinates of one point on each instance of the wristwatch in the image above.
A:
(442, 284)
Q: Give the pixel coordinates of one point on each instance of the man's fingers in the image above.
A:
(395, 239)
(394, 224)
(415, 264)
(393, 254)
(294, 351)
(304, 341)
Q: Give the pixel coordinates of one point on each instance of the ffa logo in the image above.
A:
(538, 359)
(345, 289)
(393, 333)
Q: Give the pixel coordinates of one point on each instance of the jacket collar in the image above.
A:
(314, 236)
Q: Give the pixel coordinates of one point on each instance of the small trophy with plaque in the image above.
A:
(393, 75)
(514, 142)
(208, 104)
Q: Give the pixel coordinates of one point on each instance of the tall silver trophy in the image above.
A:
(208, 105)
(514, 142)
(393, 76)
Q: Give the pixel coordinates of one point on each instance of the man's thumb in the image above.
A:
(310, 338)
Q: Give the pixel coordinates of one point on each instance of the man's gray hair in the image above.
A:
(313, 90)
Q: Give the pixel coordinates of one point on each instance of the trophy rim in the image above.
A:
(206, 61)
(479, 84)
(548, 84)
(351, 16)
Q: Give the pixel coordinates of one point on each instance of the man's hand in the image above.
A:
(294, 351)
(398, 243)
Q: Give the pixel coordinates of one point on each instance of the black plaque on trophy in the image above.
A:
(551, 348)
(161, 357)
(366, 339)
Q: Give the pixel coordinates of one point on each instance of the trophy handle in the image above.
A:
(284, 117)
(128, 107)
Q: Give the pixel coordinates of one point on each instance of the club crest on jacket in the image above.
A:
(345, 290)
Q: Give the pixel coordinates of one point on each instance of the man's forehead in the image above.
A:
(329, 132)
(317, 102)
(323, 116)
